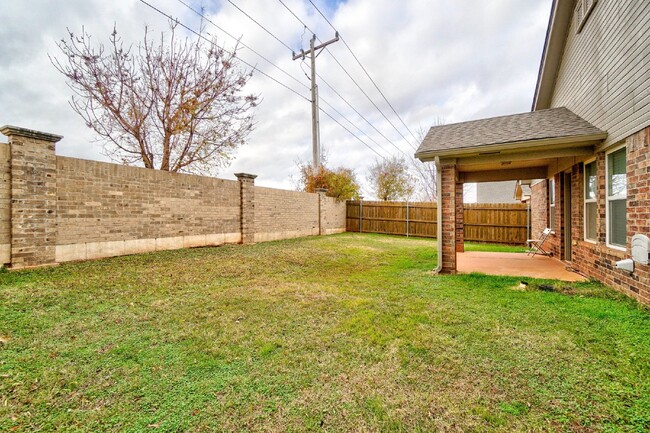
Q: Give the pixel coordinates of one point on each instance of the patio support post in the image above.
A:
(448, 198)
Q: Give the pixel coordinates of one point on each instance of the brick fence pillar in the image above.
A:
(247, 195)
(33, 196)
(448, 198)
(321, 210)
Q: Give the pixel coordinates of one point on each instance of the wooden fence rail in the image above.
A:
(492, 223)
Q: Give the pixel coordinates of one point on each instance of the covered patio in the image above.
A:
(524, 147)
(515, 264)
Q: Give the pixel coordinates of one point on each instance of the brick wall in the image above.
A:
(108, 209)
(5, 201)
(57, 209)
(538, 208)
(333, 215)
(596, 259)
(283, 214)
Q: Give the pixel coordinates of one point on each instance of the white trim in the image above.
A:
(585, 200)
(614, 198)
(551, 206)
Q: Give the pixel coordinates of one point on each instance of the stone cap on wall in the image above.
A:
(10, 130)
(245, 176)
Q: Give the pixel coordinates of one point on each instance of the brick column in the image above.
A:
(460, 218)
(33, 196)
(321, 210)
(247, 196)
(447, 199)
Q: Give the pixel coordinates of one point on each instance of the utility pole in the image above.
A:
(315, 129)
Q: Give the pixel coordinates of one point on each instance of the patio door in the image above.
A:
(566, 229)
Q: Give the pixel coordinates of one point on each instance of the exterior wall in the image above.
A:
(283, 214)
(604, 76)
(106, 209)
(5, 204)
(57, 209)
(538, 208)
(596, 259)
(496, 192)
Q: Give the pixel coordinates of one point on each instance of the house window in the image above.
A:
(591, 209)
(616, 198)
(582, 12)
(551, 204)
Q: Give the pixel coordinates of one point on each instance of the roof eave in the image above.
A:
(514, 146)
(556, 33)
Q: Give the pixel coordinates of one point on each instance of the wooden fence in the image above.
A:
(492, 223)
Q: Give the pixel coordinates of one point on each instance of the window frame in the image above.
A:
(589, 200)
(614, 198)
(551, 204)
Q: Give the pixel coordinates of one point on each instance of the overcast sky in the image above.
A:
(449, 60)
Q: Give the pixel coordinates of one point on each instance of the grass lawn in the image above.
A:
(339, 333)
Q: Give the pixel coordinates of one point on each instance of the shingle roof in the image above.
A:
(537, 125)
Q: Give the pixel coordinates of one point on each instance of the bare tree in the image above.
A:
(174, 105)
(390, 179)
(425, 172)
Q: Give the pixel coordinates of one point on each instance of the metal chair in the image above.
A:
(537, 245)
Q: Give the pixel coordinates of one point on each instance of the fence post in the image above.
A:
(33, 196)
(247, 200)
(407, 218)
(360, 214)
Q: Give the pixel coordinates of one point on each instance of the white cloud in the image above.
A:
(451, 59)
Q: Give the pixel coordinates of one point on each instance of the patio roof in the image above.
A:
(519, 146)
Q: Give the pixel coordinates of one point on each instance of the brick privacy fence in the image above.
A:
(57, 209)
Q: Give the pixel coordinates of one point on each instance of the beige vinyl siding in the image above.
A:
(604, 76)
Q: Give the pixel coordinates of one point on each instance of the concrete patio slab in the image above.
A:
(515, 264)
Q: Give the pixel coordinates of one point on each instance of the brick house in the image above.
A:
(584, 147)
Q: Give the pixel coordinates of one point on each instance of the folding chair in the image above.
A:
(537, 245)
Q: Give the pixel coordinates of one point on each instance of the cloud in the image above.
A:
(456, 60)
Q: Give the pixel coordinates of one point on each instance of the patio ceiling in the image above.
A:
(516, 147)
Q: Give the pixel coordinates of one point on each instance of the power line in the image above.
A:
(350, 76)
(352, 133)
(243, 44)
(370, 99)
(289, 48)
(210, 42)
(354, 125)
(361, 116)
(365, 70)
(255, 21)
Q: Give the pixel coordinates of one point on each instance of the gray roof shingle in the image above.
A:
(536, 125)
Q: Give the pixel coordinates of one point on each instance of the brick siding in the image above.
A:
(596, 259)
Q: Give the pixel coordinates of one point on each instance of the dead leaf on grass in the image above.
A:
(4, 339)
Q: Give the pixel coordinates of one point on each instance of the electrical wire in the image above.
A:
(243, 44)
(364, 69)
(211, 42)
(349, 75)
(255, 21)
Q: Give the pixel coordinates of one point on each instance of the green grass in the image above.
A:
(495, 248)
(339, 333)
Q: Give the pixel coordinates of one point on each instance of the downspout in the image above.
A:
(439, 214)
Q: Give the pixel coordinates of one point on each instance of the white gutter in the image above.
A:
(439, 216)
